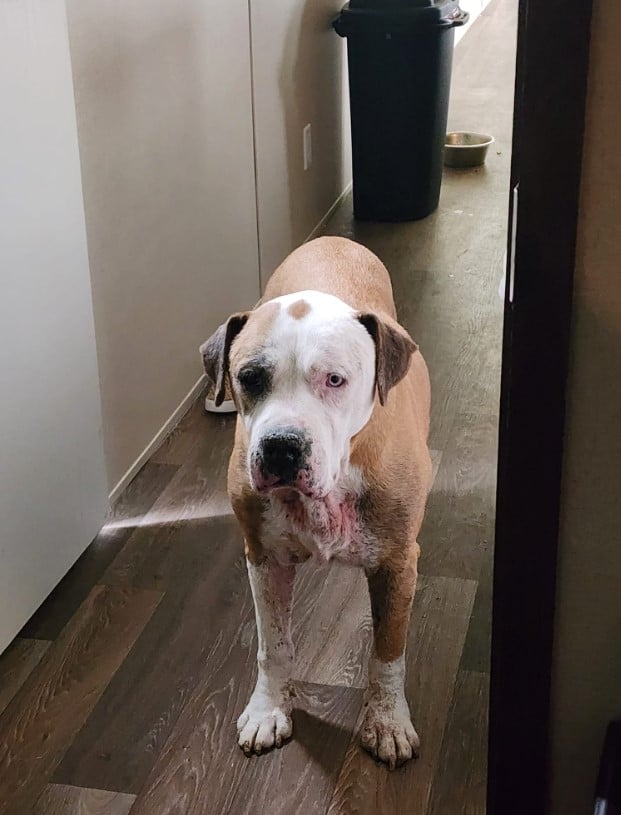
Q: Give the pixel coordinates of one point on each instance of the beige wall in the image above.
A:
(299, 78)
(163, 99)
(587, 673)
(164, 105)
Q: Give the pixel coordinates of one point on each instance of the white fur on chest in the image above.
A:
(328, 529)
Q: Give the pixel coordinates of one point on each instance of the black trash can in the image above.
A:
(400, 54)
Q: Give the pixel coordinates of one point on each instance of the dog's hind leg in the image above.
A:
(266, 721)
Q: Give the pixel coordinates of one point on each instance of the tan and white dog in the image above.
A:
(330, 462)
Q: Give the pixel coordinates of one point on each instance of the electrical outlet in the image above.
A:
(307, 140)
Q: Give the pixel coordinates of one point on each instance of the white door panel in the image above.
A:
(53, 492)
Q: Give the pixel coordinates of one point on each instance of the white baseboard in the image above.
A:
(165, 430)
(319, 228)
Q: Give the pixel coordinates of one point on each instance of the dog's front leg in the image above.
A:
(387, 730)
(266, 721)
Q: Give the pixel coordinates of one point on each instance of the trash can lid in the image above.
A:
(402, 15)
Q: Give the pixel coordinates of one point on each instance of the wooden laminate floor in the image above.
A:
(120, 695)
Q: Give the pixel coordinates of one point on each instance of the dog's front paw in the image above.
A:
(388, 733)
(263, 725)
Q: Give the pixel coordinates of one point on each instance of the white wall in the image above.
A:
(299, 78)
(587, 670)
(163, 99)
(53, 494)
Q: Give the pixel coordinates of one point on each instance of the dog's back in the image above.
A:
(335, 266)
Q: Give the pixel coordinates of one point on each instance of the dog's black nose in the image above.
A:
(284, 454)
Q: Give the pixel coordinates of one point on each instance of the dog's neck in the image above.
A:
(331, 522)
(348, 488)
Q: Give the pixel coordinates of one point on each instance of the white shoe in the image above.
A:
(227, 406)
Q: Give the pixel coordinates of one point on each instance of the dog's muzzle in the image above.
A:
(282, 460)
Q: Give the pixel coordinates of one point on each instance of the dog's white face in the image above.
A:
(302, 369)
(304, 384)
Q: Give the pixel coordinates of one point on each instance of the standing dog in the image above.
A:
(331, 462)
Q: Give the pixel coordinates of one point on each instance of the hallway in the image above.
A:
(122, 691)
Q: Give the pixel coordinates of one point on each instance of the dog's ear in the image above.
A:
(393, 350)
(215, 352)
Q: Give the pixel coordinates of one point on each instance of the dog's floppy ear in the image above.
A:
(393, 350)
(215, 352)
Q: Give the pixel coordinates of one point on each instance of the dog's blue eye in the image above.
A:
(335, 381)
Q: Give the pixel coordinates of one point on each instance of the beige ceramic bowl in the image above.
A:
(466, 149)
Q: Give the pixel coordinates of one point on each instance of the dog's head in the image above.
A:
(304, 370)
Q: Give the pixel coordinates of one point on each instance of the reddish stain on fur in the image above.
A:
(325, 519)
(333, 523)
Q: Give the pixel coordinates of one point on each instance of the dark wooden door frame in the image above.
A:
(551, 78)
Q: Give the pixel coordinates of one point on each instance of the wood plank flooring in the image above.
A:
(57, 799)
(56, 700)
(16, 665)
(120, 695)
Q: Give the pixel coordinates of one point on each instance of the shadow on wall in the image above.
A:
(311, 89)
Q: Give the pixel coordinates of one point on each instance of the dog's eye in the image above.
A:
(253, 380)
(335, 381)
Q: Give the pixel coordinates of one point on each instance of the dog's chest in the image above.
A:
(295, 527)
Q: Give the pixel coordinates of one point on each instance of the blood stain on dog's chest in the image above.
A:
(327, 529)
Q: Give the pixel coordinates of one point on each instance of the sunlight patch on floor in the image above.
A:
(216, 507)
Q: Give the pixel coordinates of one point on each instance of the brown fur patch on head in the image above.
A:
(254, 336)
(215, 353)
(393, 350)
(299, 309)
